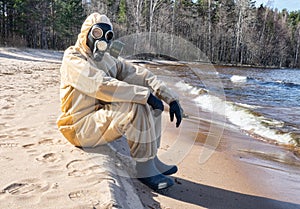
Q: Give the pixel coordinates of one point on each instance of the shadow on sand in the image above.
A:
(210, 197)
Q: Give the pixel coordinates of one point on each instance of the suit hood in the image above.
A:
(85, 28)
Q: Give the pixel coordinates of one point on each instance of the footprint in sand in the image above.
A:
(24, 132)
(52, 120)
(48, 131)
(8, 87)
(23, 129)
(3, 125)
(25, 187)
(28, 146)
(8, 145)
(85, 172)
(49, 158)
(53, 173)
(4, 158)
(3, 136)
(9, 116)
(47, 141)
(6, 107)
(88, 196)
(83, 168)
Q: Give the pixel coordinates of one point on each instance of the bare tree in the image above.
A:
(297, 46)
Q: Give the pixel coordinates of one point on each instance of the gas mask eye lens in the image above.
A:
(109, 35)
(97, 33)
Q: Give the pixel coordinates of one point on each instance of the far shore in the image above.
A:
(152, 57)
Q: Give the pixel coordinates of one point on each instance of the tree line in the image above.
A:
(228, 31)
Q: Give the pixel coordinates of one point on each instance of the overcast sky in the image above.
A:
(290, 5)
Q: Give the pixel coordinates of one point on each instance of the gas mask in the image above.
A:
(99, 39)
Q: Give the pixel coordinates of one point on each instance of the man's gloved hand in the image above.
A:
(176, 110)
(155, 103)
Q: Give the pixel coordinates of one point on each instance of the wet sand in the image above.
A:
(40, 169)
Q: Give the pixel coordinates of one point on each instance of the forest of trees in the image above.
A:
(228, 31)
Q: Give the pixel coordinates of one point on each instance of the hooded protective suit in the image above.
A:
(101, 101)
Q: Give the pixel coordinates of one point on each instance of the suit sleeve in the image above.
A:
(83, 76)
(143, 77)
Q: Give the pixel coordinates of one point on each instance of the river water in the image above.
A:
(264, 103)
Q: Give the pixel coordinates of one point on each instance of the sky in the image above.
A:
(290, 5)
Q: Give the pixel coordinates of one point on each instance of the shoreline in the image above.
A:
(41, 169)
(176, 62)
(232, 169)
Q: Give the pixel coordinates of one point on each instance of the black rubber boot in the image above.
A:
(149, 175)
(164, 168)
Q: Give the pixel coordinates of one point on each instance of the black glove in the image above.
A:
(155, 103)
(175, 109)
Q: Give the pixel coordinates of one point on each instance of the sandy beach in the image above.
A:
(40, 169)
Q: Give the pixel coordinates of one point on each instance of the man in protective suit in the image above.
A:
(103, 98)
